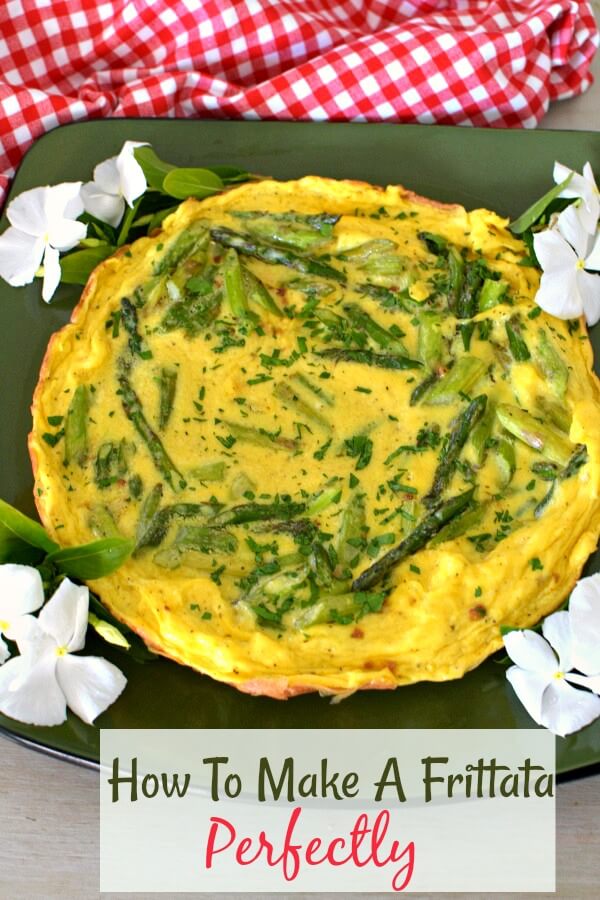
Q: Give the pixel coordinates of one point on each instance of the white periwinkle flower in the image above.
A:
(584, 189)
(566, 253)
(42, 223)
(117, 181)
(21, 592)
(542, 674)
(37, 686)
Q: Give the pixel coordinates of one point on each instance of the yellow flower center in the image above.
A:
(61, 651)
(559, 675)
(4, 625)
(580, 264)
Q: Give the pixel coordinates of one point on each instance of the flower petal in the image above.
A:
(583, 187)
(20, 256)
(104, 206)
(557, 631)
(4, 652)
(31, 693)
(553, 251)
(592, 683)
(570, 226)
(64, 616)
(132, 178)
(51, 273)
(64, 234)
(529, 688)
(584, 611)
(558, 294)
(27, 212)
(21, 591)
(566, 709)
(90, 684)
(592, 260)
(63, 201)
(107, 177)
(588, 286)
(531, 652)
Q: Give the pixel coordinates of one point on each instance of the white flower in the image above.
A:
(584, 610)
(584, 188)
(42, 224)
(21, 592)
(565, 252)
(37, 686)
(541, 675)
(117, 181)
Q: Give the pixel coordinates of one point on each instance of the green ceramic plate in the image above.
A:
(503, 170)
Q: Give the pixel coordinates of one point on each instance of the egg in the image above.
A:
(347, 443)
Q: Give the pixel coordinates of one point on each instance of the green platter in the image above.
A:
(503, 170)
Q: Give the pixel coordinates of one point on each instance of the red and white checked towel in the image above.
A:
(462, 62)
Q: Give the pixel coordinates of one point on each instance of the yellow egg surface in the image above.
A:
(347, 443)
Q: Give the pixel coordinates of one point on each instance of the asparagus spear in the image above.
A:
(257, 293)
(205, 539)
(491, 293)
(353, 530)
(135, 413)
(190, 240)
(505, 457)
(289, 229)
(551, 364)
(431, 341)
(381, 336)
(111, 463)
(467, 303)
(470, 518)
(316, 389)
(370, 358)
(155, 529)
(214, 471)
(463, 426)
(258, 512)
(456, 271)
(148, 510)
(234, 284)
(342, 608)
(516, 341)
(463, 375)
(556, 412)
(167, 386)
(550, 442)
(416, 540)
(76, 442)
(306, 407)
(260, 438)
(482, 432)
(129, 318)
(248, 246)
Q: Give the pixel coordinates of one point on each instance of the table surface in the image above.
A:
(49, 810)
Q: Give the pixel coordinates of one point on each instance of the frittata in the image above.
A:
(347, 443)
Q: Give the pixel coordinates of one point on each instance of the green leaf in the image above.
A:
(94, 560)
(14, 550)
(153, 168)
(531, 215)
(14, 526)
(230, 174)
(184, 183)
(77, 267)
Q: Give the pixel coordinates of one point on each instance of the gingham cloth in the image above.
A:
(462, 62)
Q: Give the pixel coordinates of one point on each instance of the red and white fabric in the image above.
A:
(461, 62)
